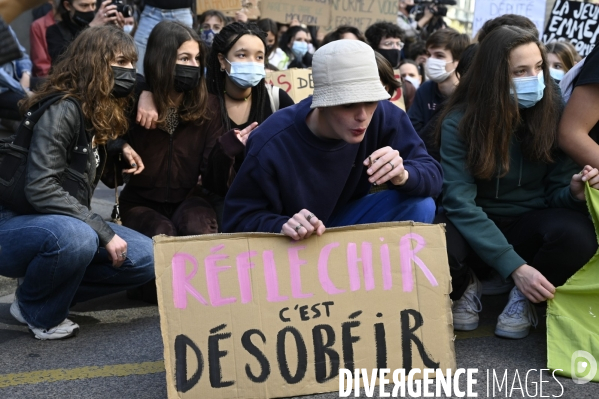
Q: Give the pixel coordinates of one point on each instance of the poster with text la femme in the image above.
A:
(261, 316)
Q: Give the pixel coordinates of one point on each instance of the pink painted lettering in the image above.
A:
(271, 279)
(407, 255)
(386, 265)
(181, 281)
(323, 270)
(212, 271)
(294, 269)
(243, 274)
(352, 266)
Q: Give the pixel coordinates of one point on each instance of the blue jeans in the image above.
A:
(149, 18)
(384, 206)
(62, 263)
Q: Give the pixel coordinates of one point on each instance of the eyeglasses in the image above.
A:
(397, 45)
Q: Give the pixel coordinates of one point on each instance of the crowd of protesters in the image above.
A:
(498, 138)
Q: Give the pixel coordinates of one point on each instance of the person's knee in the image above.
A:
(424, 210)
(75, 237)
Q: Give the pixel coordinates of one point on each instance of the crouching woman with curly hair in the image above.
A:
(64, 253)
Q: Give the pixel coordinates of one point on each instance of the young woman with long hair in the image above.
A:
(65, 253)
(512, 199)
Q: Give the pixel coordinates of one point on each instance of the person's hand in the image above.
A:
(241, 15)
(533, 284)
(384, 165)
(117, 250)
(302, 225)
(25, 82)
(147, 115)
(137, 166)
(105, 15)
(120, 20)
(428, 15)
(589, 174)
(244, 134)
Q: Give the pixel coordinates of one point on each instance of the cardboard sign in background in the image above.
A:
(261, 316)
(298, 83)
(576, 22)
(331, 13)
(485, 10)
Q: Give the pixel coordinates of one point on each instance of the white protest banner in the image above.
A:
(256, 316)
(485, 10)
(575, 22)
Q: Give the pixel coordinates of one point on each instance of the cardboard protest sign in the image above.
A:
(261, 316)
(298, 83)
(575, 22)
(226, 6)
(309, 12)
(572, 323)
(485, 10)
(331, 13)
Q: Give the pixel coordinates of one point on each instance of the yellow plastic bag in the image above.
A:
(573, 316)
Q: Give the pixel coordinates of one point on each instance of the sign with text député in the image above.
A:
(331, 13)
(257, 315)
(485, 10)
(576, 22)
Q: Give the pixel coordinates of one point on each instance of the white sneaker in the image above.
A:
(496, 285)
(65, 329)
(465, 310)
(517, 317)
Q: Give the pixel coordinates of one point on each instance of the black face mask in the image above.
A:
(124, 81)
(187, 77)
(392, 55)
(83, 18)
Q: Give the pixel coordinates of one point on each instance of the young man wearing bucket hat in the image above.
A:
(312, 165)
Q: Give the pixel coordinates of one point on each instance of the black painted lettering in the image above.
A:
(303, 310)
(214, 356)
(380, 341)
(182, 383)
(348, 340)
(302, 355)
(326, 306)
(323, 349)
(248, 345)
(282, 316)
(316, 311)
(407, 336)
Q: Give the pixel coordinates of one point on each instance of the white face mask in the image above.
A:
(128, 28)
(435, 70)
(415, 82)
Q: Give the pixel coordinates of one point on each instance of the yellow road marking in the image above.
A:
(116, 370)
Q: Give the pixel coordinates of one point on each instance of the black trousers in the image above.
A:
(555, 241)
(9, 101)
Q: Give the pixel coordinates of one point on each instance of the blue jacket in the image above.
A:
(287, 168)
(11, 72)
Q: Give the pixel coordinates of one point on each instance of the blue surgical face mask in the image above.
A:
(557, 74)
(299, 49)
(207, 36)
(529, 90)
(246, 74)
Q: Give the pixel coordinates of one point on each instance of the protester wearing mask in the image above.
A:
(409, 72)
(65, 253)
(513, 200)
(561, 56)
(210, 23)
(76, 16)
(386, 38)
(156, 11)
(276, 57)
(445, 48)
(160, 200)
(294, 43)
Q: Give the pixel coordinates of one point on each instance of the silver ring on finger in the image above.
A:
(392, 166)
(134, 165)
(310, 216)
(124, 255)
(105, 15)
(298, 227)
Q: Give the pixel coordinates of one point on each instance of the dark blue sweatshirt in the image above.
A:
(287, 169)
(426, 103)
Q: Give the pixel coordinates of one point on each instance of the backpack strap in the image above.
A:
(273, 95)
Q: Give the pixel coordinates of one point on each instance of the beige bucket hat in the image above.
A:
(345, 72)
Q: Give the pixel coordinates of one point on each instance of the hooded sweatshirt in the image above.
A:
(470, 203)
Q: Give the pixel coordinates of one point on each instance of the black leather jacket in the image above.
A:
(54, 137)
